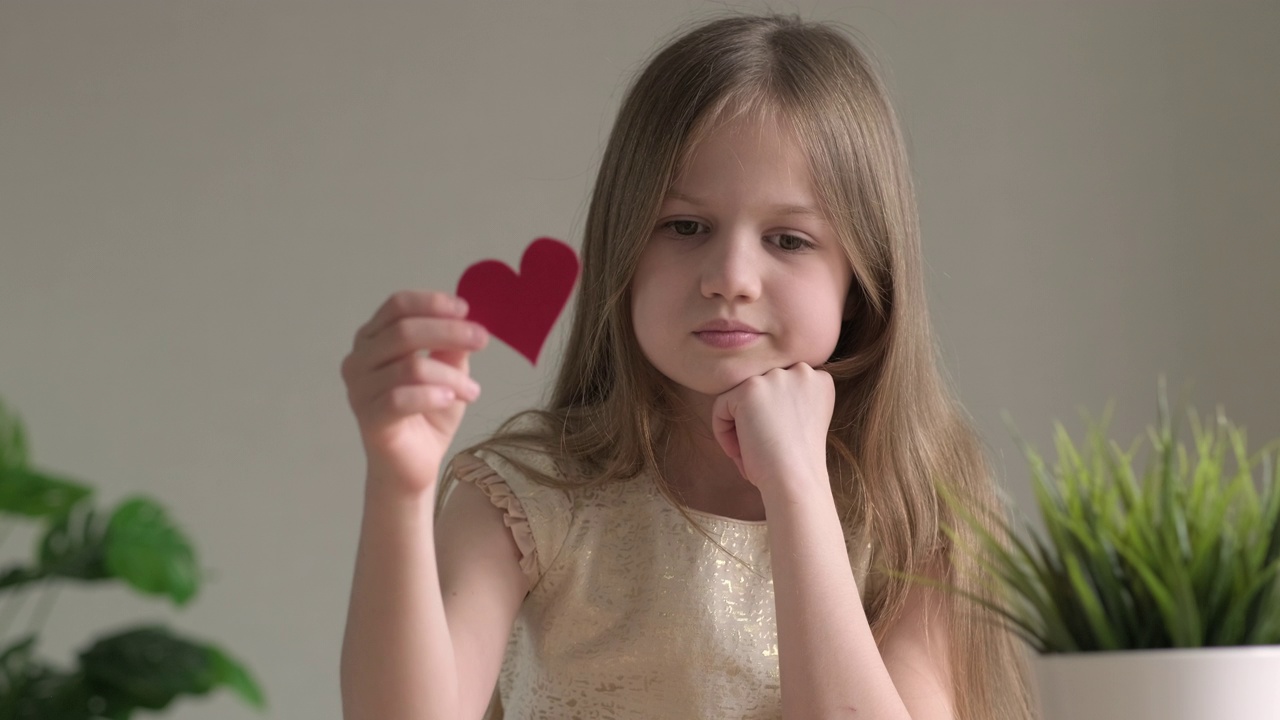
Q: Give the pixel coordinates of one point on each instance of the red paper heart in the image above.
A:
(520, 309)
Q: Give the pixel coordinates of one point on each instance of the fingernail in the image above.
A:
(478, 333)
(461, 305)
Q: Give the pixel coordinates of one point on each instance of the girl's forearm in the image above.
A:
(829, 663)
(397, 654)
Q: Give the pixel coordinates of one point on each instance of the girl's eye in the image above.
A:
(792, 243)
(684, 227)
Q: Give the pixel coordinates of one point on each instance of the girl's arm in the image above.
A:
(426, 625)
(774, 427)
(917, 652)
(431, 607)
(829, 662)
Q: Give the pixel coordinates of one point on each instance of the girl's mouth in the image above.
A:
(727, 339)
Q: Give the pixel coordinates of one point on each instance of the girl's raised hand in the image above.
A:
(774, 427)
(408, 382)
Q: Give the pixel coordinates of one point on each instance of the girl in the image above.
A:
(716, 512)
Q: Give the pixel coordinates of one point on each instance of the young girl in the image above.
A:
(717, 511)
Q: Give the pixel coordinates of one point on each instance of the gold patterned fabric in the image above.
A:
(633, 613)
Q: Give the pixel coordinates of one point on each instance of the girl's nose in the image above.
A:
(730, 268)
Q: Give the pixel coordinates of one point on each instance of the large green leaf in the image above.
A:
(74, 546)
(142, 668)
(31, 690)
(29, 492)
(55, 695)
(146, 550)
(148, 667)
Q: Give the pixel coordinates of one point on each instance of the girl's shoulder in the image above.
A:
(518, 451)
(518, 476)
(528, 449)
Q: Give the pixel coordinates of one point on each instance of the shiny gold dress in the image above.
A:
(633, 613)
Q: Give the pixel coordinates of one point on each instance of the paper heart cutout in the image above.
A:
(521, 309)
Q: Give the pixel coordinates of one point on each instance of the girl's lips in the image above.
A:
(727, 339)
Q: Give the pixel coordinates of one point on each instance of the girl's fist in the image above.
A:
(774, 427)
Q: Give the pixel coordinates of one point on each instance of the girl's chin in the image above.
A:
(719, 380)
(717, 386)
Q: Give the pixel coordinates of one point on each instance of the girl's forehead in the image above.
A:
(740, 127)
(743, 120)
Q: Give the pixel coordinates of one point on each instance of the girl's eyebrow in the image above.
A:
(784, 209)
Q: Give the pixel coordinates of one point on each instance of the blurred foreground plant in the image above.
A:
(1183, 554)
(143, 667)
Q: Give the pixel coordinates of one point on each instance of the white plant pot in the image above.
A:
(1235, 683)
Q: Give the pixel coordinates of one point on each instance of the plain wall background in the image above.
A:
(201, 202)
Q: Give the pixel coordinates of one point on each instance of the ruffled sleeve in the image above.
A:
(538, 516)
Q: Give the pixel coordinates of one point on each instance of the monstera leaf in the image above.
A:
(139, 545)
(35, 494)
(146, 668)
(73, 546)
(145, 549)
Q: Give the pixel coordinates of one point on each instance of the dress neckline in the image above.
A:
(652, 485)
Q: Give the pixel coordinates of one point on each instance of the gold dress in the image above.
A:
(632, 612)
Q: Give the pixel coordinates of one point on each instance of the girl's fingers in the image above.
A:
(412, 357)
(459, 359)
(724, 425)
(419, 333)
(416, 370)
(411, 303)
(405, 400)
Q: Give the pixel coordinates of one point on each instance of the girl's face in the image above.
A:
(739, 239)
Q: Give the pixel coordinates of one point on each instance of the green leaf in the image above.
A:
(31, 690)
(56, 695)
(145, 549)
(18, 576)
(74, 546)
(13, 439)
(1088, 597)
(25, 491)
(1012, 570)
(148, 667)
(233, 674)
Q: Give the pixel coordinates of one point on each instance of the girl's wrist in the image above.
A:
(783, 493)
(382, 489)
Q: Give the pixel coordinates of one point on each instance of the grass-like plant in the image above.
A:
(1184, 553)
(144, 667)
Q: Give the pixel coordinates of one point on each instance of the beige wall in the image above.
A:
(200, 202)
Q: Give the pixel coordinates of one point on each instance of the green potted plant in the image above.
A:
(1152, 593)
(137, 668)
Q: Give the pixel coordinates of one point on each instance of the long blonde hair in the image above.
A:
(896, 431)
